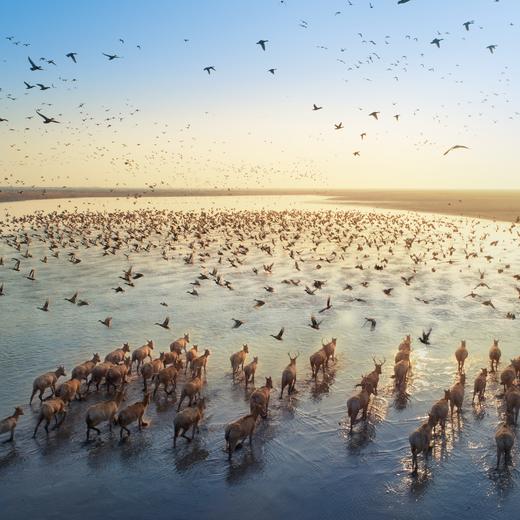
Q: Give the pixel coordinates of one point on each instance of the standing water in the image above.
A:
(303, 462)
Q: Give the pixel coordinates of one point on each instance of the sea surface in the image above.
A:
(303, 462)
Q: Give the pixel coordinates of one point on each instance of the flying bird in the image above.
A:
(437, 41)
(425, 338)
(209, 69)
(492, 48)
(111, 56)
(455, 147)
(338, 126)
(33, 65)
(47, 120)
(165, 324)
(72, 56)
(262, 43)
(467, 24)
(315, 107)
(107, 322)
(279, 335)
(374, 115)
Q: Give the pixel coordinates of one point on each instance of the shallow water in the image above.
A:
(303, 461)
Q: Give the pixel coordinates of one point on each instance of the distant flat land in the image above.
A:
(503, 205)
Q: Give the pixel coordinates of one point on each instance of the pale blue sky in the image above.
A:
(242, 126)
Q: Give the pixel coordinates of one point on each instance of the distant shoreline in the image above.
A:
(502, 205)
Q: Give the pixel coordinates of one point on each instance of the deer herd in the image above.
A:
(183, 361)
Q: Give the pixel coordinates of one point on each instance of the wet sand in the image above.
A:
(501, 205)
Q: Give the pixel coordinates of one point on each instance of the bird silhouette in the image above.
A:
(33, 65)
(425, 338)
(279, 335)
(455, 147)
(262, 43)
(165, 324)
(209, 69)
(107, 322)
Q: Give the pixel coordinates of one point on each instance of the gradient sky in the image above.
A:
(243, 127)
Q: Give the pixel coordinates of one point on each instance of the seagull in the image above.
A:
(33, 65)
(425, 338)
(372, 322)
(47, 120)
(315, 107)
(72, 56)
(314, 324)
(165, 323)
(279, 335)
(111, 56)
(107, 322)
(374, 115)
(455, 147)
(45, 306)
(338, 126)
(262, 43)
(491, 48)
(467, 24)
(238, 323)
(209, 69)
(437, 41)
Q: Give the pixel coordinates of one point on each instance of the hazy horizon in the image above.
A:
(155, 117)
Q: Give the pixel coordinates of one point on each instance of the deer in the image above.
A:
(373, 377)
(104, 412)
(9, 423)
(494, 355)
(460, 355)
(479, 386)
(47, 380)
(318, 360)
(140, 354)
(505, 439)
(259, 399)
(440, 409)
(191, 390)
(239, 430)
(188, 418)
(420, 440)
(82, 371)
(98, 374)
(49, 409)
(289, 375)
(457, 395)
(237, 359)
(117, 356)
(132, 413)
(150, 370)
(200, 363)
(330, 350)
(249, 371)
(180, 344)
(359, 402)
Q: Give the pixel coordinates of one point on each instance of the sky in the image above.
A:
(154, 117)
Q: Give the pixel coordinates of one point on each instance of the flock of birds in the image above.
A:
(223, 246)
(177, 150)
